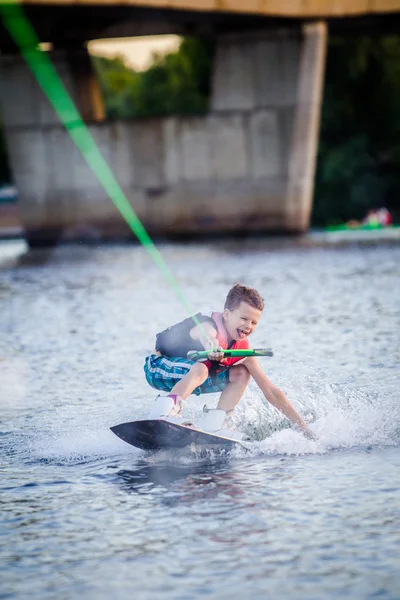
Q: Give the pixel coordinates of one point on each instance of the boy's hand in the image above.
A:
(309, 434)
(216, 354)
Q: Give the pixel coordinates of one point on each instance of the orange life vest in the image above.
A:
(222, 337)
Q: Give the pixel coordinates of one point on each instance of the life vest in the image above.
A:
(176, 340)
(222, 338)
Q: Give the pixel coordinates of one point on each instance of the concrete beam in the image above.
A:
(302, 9)
(42, 155)
(304, 146)
(88, 95)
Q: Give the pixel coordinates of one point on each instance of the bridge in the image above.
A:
(248, 165)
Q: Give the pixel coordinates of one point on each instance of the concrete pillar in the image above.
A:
(275, 77)
(304, 146)
(88, 95)
(31, 128)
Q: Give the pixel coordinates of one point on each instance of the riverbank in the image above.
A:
(354, 236)
(11, 229)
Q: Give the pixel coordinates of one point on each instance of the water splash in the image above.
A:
(342, 417)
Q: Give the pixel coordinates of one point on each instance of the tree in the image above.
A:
(178, 83)
(359, 154)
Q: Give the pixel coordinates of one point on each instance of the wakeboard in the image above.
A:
(159, 434)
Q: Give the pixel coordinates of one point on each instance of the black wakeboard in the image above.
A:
(158, 434)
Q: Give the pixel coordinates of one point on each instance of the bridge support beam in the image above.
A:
(276, 77)
(87, 90)
(31, 130)
(305, 137)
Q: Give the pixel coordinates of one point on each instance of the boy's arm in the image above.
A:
(275, 396)
(207, 335)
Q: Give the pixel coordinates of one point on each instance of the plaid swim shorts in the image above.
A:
(163, 372)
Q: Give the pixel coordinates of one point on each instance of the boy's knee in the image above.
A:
(200, 370)
(239, 374)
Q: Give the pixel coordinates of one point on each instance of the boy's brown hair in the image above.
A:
(240, 293)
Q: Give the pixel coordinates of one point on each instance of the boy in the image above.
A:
(167, 368)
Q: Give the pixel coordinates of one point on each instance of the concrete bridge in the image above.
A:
(248, 165)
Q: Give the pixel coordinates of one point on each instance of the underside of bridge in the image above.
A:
(248, 165)
(72, 24)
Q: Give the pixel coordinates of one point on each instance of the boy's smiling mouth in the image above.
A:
(242, 334)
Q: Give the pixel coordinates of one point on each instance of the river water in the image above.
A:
(85, 515)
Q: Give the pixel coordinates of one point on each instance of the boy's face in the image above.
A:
(241, 321)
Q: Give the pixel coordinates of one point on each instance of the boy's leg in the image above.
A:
(175, 375)
(196, 375)
(219, 420)
(239, 378)
(177, 378)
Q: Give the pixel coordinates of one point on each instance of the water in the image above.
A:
(83, 514)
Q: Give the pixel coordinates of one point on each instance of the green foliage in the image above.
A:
(117, 82)
(177, 83)
(359, 152)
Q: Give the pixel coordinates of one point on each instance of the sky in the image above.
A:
(137, 52)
